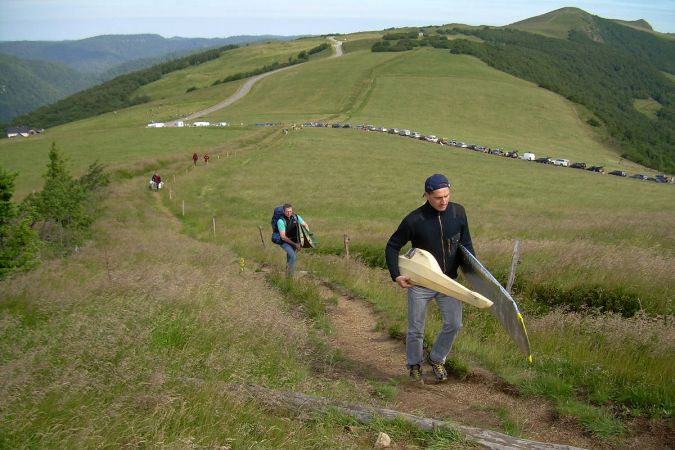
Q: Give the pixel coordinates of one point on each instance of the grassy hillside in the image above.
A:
(579, 231)
(79, 364)
(558, 23)
(182, 313)
(637, 37)
(242, 59)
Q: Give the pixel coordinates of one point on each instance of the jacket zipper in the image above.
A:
(440, 225)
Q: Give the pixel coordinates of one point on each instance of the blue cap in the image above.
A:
(436, 181)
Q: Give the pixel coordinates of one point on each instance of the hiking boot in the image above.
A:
(416, 373)
(439, 370)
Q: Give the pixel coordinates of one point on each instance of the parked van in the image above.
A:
(528, 156)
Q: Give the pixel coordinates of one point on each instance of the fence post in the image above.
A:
(214, 227)
(183, 207)
(174, 177)
(261, 236)
(346, 241)
(170, 193)
(515, 258)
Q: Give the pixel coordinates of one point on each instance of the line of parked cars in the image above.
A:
(527, 156)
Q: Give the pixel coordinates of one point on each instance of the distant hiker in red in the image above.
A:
(206, 158)
(195, 157)
(155, 181)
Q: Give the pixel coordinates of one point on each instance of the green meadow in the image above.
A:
(146, 327)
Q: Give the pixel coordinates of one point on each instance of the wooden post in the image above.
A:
(261, 235)
(174, 177)
(170, 193)
(214, 227)
(346, 240)
(183, 207)
(515, 257)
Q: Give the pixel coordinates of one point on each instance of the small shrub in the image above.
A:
(615, 299)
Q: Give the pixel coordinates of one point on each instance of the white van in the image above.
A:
(528, 156)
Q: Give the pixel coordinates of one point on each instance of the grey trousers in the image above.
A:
(451, 311)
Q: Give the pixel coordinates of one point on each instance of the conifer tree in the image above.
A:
(18, 242)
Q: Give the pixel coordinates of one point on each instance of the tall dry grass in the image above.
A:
(103, 348)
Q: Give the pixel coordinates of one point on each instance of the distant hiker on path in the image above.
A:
(195, 158)
(438, 227)
(286, 233)
(206, 158)
(155, 181)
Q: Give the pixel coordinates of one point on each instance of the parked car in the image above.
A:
(336, 125)
(618, 173)
(393, 130)
(598, 169)
(415, 135)
(431, 138)
(639, 176)
(347, 125)
(561, 162)
(511, 154)
(544, 160)
(578, 165)
(404, 133)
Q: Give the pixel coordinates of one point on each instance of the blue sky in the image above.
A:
(76, 19)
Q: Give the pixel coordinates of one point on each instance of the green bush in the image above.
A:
(18, 242)
(615, 299)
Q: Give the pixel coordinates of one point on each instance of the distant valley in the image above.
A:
(37, 73)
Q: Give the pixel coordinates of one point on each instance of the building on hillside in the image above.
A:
(23, 131)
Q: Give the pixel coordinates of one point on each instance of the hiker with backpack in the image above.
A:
(286, 233)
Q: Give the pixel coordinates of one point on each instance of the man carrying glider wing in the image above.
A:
(438, 226)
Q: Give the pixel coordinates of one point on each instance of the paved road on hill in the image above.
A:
(242, 91)
(338, 47)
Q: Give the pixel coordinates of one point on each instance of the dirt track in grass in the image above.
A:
(481, 400)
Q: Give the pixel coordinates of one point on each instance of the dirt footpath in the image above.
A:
(475, 401)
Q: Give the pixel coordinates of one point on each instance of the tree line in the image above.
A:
(51, 222)
(605, 78)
